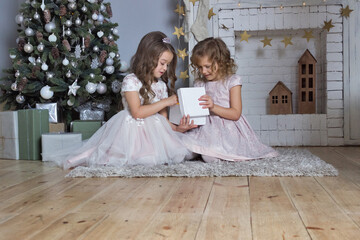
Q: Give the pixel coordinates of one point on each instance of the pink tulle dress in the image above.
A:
(124, 140)
(222, 138)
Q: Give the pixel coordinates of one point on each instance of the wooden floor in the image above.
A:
(37, 202)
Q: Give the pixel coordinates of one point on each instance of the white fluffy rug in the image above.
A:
(291, 162)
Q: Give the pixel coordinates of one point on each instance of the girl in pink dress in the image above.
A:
(141, 133)
(226, 135)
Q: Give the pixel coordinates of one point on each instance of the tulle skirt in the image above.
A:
(124, 140)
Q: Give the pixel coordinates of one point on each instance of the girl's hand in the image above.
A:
(185, 124)
(206, 102)
(172, 100)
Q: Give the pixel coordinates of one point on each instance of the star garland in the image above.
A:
(182, 54)
(245, 36)
(345, 12)
(328, 25)
(266, 41)
(184, 75)
(308, 35)
(287, 41)
(178, 32)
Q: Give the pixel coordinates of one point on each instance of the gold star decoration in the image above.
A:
(182, 54)
(211, 13)
(193, 1)
(328, 25)
(266, 41)
(244, 36)
(224, 27)
(178, 32)
(308, 35)
(184, 75)
(179, 9)
(345, 12)
(287, 41)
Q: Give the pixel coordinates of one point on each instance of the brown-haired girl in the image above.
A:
(226, 135)
(141, 133)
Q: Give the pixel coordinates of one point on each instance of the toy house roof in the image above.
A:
(305, 54)
(280, 84)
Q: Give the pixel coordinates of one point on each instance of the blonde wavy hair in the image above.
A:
(145, 60)
(217, 52)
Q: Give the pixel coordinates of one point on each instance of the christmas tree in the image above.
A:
(66, 54)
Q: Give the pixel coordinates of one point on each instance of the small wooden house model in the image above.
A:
(280, 99)
(307, 83)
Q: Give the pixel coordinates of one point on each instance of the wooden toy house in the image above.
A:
(280, 99)
(307, 83)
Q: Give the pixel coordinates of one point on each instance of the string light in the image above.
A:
(281, 7)
(304, 4)
(239, 4)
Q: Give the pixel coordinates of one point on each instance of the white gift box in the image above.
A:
(189, 105)
(51, 142)
(9, 135)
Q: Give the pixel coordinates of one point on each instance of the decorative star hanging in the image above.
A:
(266, 41)
(287, 41)
(245, 36)
(182, 53)
(178, 32)
(328, 25)
(184, 75)
(308, 35)
(193, 1)
(211, 13)
(179, 9)
(345, 12)
(73, 88)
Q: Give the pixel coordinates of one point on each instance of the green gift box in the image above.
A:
(86, 127)
(32, 123)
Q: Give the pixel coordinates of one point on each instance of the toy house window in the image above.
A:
(311, 68)
(303, 96)
(311, 81)
(310, 96)
(274, 99)
(303, 68)
(303, 82)
(284, 98)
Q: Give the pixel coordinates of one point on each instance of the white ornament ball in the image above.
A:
(12, 56)
(78, 22)
(38, 60)
(96, 48)
(46, 93)
(94, 16)
(115, 31)
(36, 16)
(68, 32)
(68, 23)
(118, 55)
(44, 67)
(72, 6)
(14, 86)
(52, 38)
(19, 18)
(84, 9)
(92, 76)
(29, 32)
(49, 27)
(65, 62)
(111, 37)
(69, 103)
(28, 48)
(91, 87)
(20, 99)
(17, 74)
(109, 61)
(101, 88)
(124, 66)
(100, 18)
(112, 55)
(40, 47)
(116, 86)
(102, 7)
(68, 74)
(109, 69)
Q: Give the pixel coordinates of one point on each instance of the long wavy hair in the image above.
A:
(145, 60)
(217, 52)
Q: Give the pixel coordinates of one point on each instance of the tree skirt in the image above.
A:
(291, 162)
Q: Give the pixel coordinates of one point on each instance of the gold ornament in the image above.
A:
(308, 35)
(345, 12)
(328, 25)
(179, 9)
(266, 41)
(193, 1)
(245, 36)
(178, 32)
(211, 13)
(184, 75)
(182, 54)
(287, 41)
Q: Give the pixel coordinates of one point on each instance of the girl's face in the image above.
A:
(205, 68)
(163, 63)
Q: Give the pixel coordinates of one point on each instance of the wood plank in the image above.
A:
(227, 214)
(351, 153)
(134, 214)
(72, 226)
(323, 218)
(50, 208)
(273, 215)
(181, 215)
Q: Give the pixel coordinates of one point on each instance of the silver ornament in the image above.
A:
(19, 18)
(28, 48)
(33, 3)
(102, 7)
(109, 61)
(84, 9)
(49, 27)
(111, 37)
(20, 99)
(72, 6)
(94, 16)
(17, 74)
(116, 86)
(68, 32)
(38, 60)
(36, 16)
(109, 69)
(100, 18)
(118, 55)
(29, 32)
(115, 31)
(68, 23)
(44, 66)
(40, 47)
(103, 78)
(74, 64)
(101, 88)
(68, 74)
(65, 62)
(96, 48)
(91, 87)
(49, 75)
(46, 93)
(14, 86)
(78, 22)
(70, 103)
(92, 76)
(12, 56)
